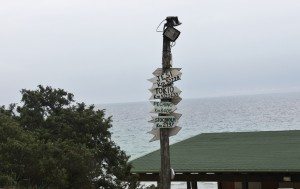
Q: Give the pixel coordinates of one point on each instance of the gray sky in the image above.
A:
(104, 51)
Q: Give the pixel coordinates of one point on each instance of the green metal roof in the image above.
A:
(264, 151)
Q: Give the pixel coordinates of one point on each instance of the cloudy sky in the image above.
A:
(104, 51)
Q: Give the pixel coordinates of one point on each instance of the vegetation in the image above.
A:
(50, 141)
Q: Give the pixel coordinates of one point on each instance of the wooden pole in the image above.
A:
(219, 185)
(194, 185)
(165, 159)
(244, 185)
(165, 171)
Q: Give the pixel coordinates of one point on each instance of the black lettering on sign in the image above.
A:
(164, 76)
(166, 79)
(163, 96)
(165, 90)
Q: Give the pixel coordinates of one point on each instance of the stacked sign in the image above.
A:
(163, 90)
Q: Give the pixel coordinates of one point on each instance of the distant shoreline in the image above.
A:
(207, 97)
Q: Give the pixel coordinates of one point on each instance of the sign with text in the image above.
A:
(163, 89)
(165, 121)
(163, 107)
(166, 78)
(165, 92)
(159, 71)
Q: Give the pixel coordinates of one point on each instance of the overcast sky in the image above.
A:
(104, 51)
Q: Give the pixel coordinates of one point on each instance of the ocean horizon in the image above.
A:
(263, 112)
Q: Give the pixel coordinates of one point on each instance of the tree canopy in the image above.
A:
(51, 141)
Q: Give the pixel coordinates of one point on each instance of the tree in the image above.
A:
(52, 141)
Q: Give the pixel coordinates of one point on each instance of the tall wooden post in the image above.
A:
(165, 172)
(245, 184)
(194, 185)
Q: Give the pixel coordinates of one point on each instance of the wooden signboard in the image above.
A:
(163, 107)
(168, 121)
(165, 121)
(159, 71)
(166, 78)
(165, 92)
(155, 131)
(176, 100)
(163, 89)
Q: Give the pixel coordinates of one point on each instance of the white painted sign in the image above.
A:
(165, 90)
(165, 83)
(176, 100)
(167, 78)
(159, 71)
(165, 121)
(163, 107)
(156, 132)
(164, 96)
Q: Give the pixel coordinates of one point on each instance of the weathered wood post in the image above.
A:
(165, 172)
(194, 185)
(165, 124)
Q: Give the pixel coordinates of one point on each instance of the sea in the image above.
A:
(263, 112)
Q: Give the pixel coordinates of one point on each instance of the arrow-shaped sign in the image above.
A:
(166, 78)
(164, 121)
(164, 96)
(156, 132)
(176, 100)
(163, 107)
(165, 90)
(168, 121)
(167, 82)
(159, 71)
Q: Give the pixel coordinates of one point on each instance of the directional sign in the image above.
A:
(159, 71)
(165, 121)
(173, 131)
(165, 82)
(176, 115)
(176, 100)
(163, 107)
(167, 78)
(168, 82)
(165, 90)
(164, 96)
(162, 88)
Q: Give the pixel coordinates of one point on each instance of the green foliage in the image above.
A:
(50, 141)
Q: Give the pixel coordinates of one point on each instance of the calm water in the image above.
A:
(238, 113)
